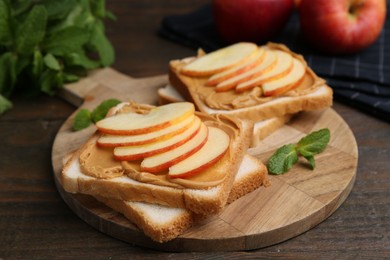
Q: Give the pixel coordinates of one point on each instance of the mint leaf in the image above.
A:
(57, 10)
(101, 111)
(20, 7)
(68, 77)
(66, 41)
(79, 59)
(314, 143)
(82, 119)
(32, 30)
(5, 32)
(51, 62)
(101, 44)
(37, 64)
(5, 104)
(283, 159)
(98, 8)
(8, 73)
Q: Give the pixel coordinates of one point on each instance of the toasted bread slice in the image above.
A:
(199, 199)
(311, 93)
(163, 223)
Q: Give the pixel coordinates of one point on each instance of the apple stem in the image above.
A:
(355, 6)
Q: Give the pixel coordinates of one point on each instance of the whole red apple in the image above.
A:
(251, 20)
(341, 26)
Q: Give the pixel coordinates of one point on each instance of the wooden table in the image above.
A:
(35, 222)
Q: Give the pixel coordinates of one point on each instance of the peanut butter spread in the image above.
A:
(230, 100)
(100, 162)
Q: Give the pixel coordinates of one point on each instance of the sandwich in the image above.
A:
(149, 164)
(168, 155)
(265, 84)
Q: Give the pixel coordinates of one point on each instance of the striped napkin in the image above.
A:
(361, 80)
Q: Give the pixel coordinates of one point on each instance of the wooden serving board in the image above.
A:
(293, 204)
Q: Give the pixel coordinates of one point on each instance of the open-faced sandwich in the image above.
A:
(164, 167)
(265, 84)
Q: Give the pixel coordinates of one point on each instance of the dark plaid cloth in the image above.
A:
(361, 80)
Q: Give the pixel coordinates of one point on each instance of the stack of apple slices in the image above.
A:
(274, 71)
(169, 138)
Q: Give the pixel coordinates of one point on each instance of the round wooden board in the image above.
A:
(293, 204)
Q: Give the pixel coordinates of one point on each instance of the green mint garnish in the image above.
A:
(286, 156)
(101, 111)
(85, 118)
(283, 159)
(82, 119)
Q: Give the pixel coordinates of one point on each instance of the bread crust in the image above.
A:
(181, 220)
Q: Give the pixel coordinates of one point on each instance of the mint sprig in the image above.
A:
(85, 118)
(46, 43)
(286, 156)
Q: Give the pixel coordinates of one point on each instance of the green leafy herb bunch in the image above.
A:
(46, 43)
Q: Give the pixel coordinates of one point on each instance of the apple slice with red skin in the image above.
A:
(252, 62)
(165, 160)
(219, 60)
(282, 68)
(215, 148)
(158, 118)
(267, 64)
(159, 135)
(130, 153)
(284, 84)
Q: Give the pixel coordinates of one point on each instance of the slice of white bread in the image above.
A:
(246, 104)
(162, 223)
(262, 128)
(201, 201)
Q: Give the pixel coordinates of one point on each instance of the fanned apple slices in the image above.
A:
(282, 67)
(136, 152)
(267, 64)
(155, 136)
(275, 71)
(170, 138)
(252, 62)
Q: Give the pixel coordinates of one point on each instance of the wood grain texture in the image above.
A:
(35, 222)
(294, 203)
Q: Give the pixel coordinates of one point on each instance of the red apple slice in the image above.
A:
(281, 85)
(267, 64)
(158, 118)
(164, 160)
(130, 153)
(216, 146)
(282, 68)
(219, 60)
(159, 135)
(252, 62)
